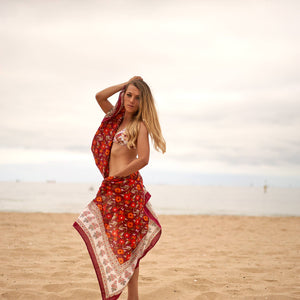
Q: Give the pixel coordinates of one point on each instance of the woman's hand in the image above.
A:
(135, 78)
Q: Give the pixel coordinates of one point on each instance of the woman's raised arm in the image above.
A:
(102, 96)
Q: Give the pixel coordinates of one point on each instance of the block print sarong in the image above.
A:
(119, 226)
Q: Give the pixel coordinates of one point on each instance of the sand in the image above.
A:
(198, 257)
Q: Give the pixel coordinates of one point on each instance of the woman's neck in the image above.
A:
(127, 118)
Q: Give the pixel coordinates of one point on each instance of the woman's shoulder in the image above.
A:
(143, 131)
(143, 126)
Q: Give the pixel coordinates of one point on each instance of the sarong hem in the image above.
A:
(94, 260)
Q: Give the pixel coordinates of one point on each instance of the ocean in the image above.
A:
(166, 199)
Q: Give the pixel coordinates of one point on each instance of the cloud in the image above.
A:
(256, 129)
(226, 86)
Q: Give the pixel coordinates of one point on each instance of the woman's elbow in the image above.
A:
(98, 97)
(144, 161)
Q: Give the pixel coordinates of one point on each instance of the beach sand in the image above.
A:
(197, 257)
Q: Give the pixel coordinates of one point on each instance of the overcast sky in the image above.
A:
(224, 74)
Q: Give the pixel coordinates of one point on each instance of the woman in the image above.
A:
(119, 226)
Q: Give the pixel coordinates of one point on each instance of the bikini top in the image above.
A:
(121, 137)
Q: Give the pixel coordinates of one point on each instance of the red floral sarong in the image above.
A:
(119, 226)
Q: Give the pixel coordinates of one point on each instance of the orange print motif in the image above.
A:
(120, 251)
(130, 224)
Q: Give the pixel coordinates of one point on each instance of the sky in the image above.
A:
(225, 76)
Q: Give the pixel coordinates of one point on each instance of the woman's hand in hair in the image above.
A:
(135, 78)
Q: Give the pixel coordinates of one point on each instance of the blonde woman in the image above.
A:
(119, 226)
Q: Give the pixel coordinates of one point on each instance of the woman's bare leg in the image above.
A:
(133, 292)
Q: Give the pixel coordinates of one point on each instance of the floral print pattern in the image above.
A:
(121, 202)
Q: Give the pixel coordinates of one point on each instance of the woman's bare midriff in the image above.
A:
(120, 157)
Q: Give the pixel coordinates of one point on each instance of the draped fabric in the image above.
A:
(119, 226)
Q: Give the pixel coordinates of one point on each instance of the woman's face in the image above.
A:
(132, 99)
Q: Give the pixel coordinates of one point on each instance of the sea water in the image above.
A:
(166, 199)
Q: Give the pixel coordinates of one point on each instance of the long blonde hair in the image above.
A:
(148, 115)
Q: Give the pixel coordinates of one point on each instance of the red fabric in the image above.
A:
(121, 202)
(104, 136)
(119, 226)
